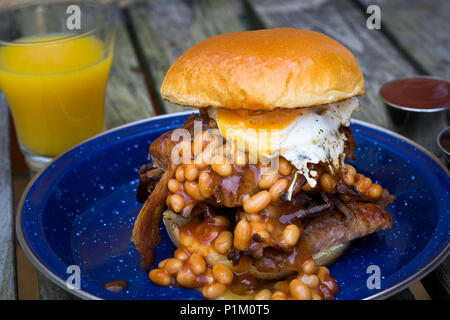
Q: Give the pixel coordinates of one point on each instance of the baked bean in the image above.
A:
(311, 281)
(299, 290)
(350, 169)
(240, 159)
(185, 150)
(349, 179)
(204, 184)
(264, 294)
(258, 227)
(160, 277)
(200, 163)
(307, 187)
(214, 290)
(222, 168)
(267, 179)
(284, 167)
(179, 174)
(363, 185)
(345, 198)
(176, 202)
(190, 172)
(375, 191)
(359, 176)
(201, 140)
(206, 156)
(162, 263)
(223, 242)
(279, 295)
(309, 267)
(187, 278)
(327, 183)
(188, 207)
(193, 190)
(254, 217)
(323, 273)
(173, 185)
(269, 226)
(316, 296)
(278, 188)
(209, 276)
(197, 264)
(242, 235)
(222, 273)
(228, 151)
(291, 233)
(181, 254)
(282, 285)
(257, 202)
(173, 265)
(221, 221)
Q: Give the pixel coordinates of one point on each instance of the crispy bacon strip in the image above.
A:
(146, 234)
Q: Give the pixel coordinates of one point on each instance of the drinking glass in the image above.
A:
(55, 58)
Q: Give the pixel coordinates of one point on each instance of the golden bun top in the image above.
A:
(264, 70)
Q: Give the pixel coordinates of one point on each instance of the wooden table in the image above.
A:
(413, 39)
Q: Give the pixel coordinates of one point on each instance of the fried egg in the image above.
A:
(301, 136)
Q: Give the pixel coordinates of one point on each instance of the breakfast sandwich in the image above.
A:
(254, 190)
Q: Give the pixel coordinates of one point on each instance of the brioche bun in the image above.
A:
(264, 70)
(173, 222)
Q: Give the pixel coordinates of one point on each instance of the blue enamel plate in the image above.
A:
(78, 214)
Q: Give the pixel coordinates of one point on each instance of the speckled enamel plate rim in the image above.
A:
(85, 295)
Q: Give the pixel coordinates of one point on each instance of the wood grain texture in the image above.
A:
(437, 283)
(378, 59)
(50, 291)
(8, 288)
(127, 97)
(421, 29)
(403, 295)
(166, 29)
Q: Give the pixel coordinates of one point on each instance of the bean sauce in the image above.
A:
(116, 285)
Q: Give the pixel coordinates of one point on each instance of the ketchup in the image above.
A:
(417, 93)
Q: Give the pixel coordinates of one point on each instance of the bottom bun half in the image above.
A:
(173, 222)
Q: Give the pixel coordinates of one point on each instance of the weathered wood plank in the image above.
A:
(403, 295)
(8, 287)
(166, 29)
(420, 29)
(378, 59)
(437, 283)
(127, 97)
(50, 291)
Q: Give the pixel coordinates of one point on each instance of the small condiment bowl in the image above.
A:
(417, 118)
(443, 142)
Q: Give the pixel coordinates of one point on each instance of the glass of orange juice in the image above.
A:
(55, 58)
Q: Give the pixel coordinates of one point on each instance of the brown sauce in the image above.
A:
(417, 93)
(445, 141)
(116, 285)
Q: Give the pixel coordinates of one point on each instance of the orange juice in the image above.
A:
(55, 90)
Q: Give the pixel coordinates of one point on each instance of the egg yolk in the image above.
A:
(277, 119)
(256, 131)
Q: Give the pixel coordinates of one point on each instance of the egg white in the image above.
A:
(312, 137)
